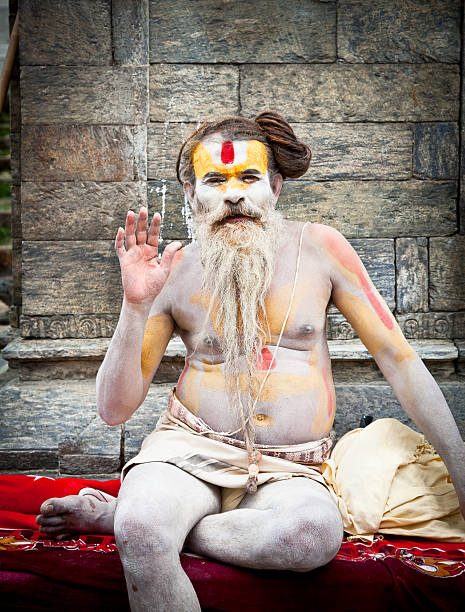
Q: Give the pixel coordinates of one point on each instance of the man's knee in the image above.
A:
(143, 533)
(309, 540)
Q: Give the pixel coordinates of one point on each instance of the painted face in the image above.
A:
(232, 172)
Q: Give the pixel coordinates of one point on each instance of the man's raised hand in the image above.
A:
(143, 274)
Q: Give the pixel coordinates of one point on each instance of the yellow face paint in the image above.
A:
(230, 159)
(158, 330)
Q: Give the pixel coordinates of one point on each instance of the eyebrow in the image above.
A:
(246, 171)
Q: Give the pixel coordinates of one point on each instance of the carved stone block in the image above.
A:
(357, 92)
(89, 95)
(77, 210)
(432, 324)
(447, 271)
(163, 143)
(130, 29)
(357, 150)
(374, 208)
(399, 31)
(83, 35)
(179, 92)
(412, 274)
(240, 31)
(436, 150)
(78, 277)
(69, 326)
(79, 152)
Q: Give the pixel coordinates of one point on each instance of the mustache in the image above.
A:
(246, 209)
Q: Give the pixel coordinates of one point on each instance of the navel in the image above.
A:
(263, 420)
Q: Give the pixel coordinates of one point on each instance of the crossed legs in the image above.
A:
(292, 524)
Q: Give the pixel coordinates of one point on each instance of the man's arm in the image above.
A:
(145, 325)
(354, 294)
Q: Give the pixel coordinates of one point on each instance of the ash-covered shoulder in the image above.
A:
(185, 262)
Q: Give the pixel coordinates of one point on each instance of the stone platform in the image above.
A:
(49, 424)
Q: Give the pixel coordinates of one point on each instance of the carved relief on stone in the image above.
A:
(68, 326)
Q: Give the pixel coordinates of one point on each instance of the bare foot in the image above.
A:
(91, 511)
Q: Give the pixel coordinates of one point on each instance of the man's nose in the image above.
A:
(234, 200)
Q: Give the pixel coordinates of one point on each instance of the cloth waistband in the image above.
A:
(309, 453)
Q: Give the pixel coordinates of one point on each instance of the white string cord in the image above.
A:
(291, 300)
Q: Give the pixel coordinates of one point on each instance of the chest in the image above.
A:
(295, 306)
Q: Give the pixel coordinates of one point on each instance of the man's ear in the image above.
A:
(189, 191)
(277, 184)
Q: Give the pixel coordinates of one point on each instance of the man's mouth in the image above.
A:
(237, 218)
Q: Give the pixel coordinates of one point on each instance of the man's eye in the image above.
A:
(214, 180)
(250, 178)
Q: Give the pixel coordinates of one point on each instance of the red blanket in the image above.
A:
(393, 573)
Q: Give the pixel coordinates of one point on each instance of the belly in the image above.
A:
(293, 401)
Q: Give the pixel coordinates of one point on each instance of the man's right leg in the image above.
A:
(158, 504)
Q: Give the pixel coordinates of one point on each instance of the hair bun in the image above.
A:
(292, 156)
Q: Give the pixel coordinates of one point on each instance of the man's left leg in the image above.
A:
(287, 525)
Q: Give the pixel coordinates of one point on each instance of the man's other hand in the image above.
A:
(143, 273)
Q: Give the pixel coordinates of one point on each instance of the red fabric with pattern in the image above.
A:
(40, 574)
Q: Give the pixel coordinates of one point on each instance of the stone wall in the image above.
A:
(104, 92)
(107, 98)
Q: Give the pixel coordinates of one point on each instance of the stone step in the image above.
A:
(52, 427)
(80, 358)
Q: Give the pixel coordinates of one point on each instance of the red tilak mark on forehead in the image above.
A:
(227, 152)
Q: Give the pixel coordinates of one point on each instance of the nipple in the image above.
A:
(308, 329)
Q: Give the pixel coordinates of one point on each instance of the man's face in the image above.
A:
(232, 182)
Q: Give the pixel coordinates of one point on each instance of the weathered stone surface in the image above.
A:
(374, 209)
(412, 274)
(356, 208)
(96, 448)
(76, 277)
(428, 350)
(42, 420)
(83, 35)
(66, 348)
(356, 400)
(51, 370)
(167, 197)
(432, 324)
(340, 151)
(163, 143)
(436, 148)
(78, 210)
(15, 98)
(16, 228)
(399, 31)
(69, 326)
(343, 92)
(17, 271)
(15, 157)
(460, 344)
(35, 415)
(357, 150)
(92, 95)
(240, 31)
(337, 326)
(130, 25)
(78, 152)
(192, 93)
(447, 271)
(145, 418)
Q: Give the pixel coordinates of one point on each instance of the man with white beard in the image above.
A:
(234, 468)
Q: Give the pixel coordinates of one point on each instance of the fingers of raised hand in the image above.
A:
(141, 227)
(119, 242)
(154, 231)
(130, 229)
(168, 254)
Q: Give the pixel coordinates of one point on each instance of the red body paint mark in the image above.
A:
(330, 395)
(349, 260)
(266, 358)
(227, 152)
(183, 373)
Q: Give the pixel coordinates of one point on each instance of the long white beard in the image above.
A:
(238, 260)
